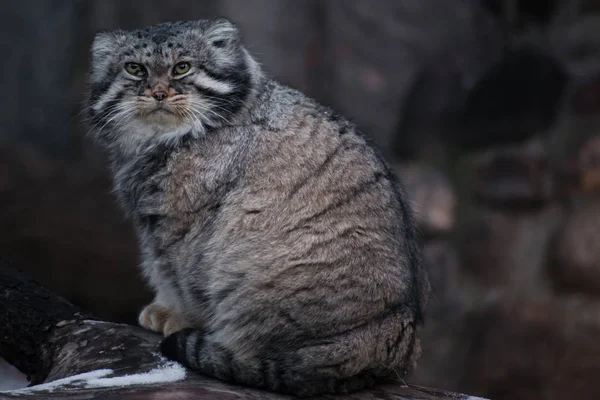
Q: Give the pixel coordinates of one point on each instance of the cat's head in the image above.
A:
(166, 81)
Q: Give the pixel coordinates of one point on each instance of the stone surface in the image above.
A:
(442, 263)
(574, 155)
(507, 347)
(534, 350)
(509, 250)
(515, 99)
(513, 178)
(575, 257)
(586, 98)
(432, 196)
(443, 323)
(588, 164)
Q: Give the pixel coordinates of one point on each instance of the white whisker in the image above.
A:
(202, 108)
(120, 108)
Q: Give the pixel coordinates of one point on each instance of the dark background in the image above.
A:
(489, 110)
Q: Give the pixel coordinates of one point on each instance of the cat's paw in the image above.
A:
(172, 324)
(159, 318)
(153, 317)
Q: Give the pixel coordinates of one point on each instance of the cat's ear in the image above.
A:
(104, 48)
(222, 33)
(106, 43)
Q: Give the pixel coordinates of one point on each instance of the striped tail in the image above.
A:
(326, 368)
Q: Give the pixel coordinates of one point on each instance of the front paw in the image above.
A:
(159, 318)
(172, 324)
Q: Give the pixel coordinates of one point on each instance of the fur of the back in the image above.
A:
(278, 241)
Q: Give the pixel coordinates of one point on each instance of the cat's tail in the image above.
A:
(322, 368)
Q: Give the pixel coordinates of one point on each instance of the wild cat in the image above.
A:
(278, 242)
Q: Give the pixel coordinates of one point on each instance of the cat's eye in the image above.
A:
(181, 68)
(135, 69)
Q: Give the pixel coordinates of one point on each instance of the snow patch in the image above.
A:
(71, 380)
(94, 322)
(476, 398)
(171, 372)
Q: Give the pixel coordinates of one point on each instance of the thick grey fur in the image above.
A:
(279, 244)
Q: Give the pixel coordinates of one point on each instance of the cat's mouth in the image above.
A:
(159, 111)
(169, 113)
(161, 108)
(147, 108)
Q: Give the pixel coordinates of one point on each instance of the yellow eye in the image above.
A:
(135, 69)
(181, 68)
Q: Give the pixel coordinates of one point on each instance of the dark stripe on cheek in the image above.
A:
(99, 89)
(220, 76)
(180, 87)
(109, 105)
(106, 111)
(208, 92)
(129, 86)
(230, 103)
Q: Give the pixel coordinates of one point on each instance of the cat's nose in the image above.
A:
(159, 95)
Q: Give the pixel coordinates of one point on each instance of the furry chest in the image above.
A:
(169, 208)
(174, 195)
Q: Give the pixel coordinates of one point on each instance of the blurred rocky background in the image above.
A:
(488, 109)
